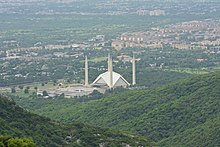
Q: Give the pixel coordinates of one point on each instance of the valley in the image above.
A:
(155, 114)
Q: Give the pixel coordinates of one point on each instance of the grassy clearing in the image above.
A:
(98, 59)
(189, 70)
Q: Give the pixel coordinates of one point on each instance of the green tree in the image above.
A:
(7, 141)
(54, 81)
(68, 80)
(26, 91)
(24, 142)
(13, 90)
(62, 95)
(20, 87)
(1, 144)
(36, 88)
(4, 140)
(45, 93)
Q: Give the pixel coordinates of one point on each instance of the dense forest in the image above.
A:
(7, 141)
(176, 99)
(17, 122)
(186, 112)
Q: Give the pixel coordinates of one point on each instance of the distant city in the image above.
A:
(186, 35)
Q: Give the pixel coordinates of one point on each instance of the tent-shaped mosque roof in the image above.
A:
(117, 80)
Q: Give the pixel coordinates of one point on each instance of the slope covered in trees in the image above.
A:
(206, 134)
(16, 122)
(183, 113)
(7, 141)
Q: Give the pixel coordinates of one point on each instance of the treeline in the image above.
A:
(178, 113)
(7, 141)
(17, 122)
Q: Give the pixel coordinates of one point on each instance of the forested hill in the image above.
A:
(16, 122)
(182, 113)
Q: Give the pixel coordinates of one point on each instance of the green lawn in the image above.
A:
(98, 59)
(188, 70)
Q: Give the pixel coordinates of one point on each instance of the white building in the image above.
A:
(104, 80)
(110, 78)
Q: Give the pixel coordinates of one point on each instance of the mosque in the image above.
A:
(110, 79)
(106, 80)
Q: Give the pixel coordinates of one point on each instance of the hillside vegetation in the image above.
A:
(182, 113)
(7, 141)
(16, 122)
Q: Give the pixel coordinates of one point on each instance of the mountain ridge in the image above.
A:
(159, 114)
(17, 122)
